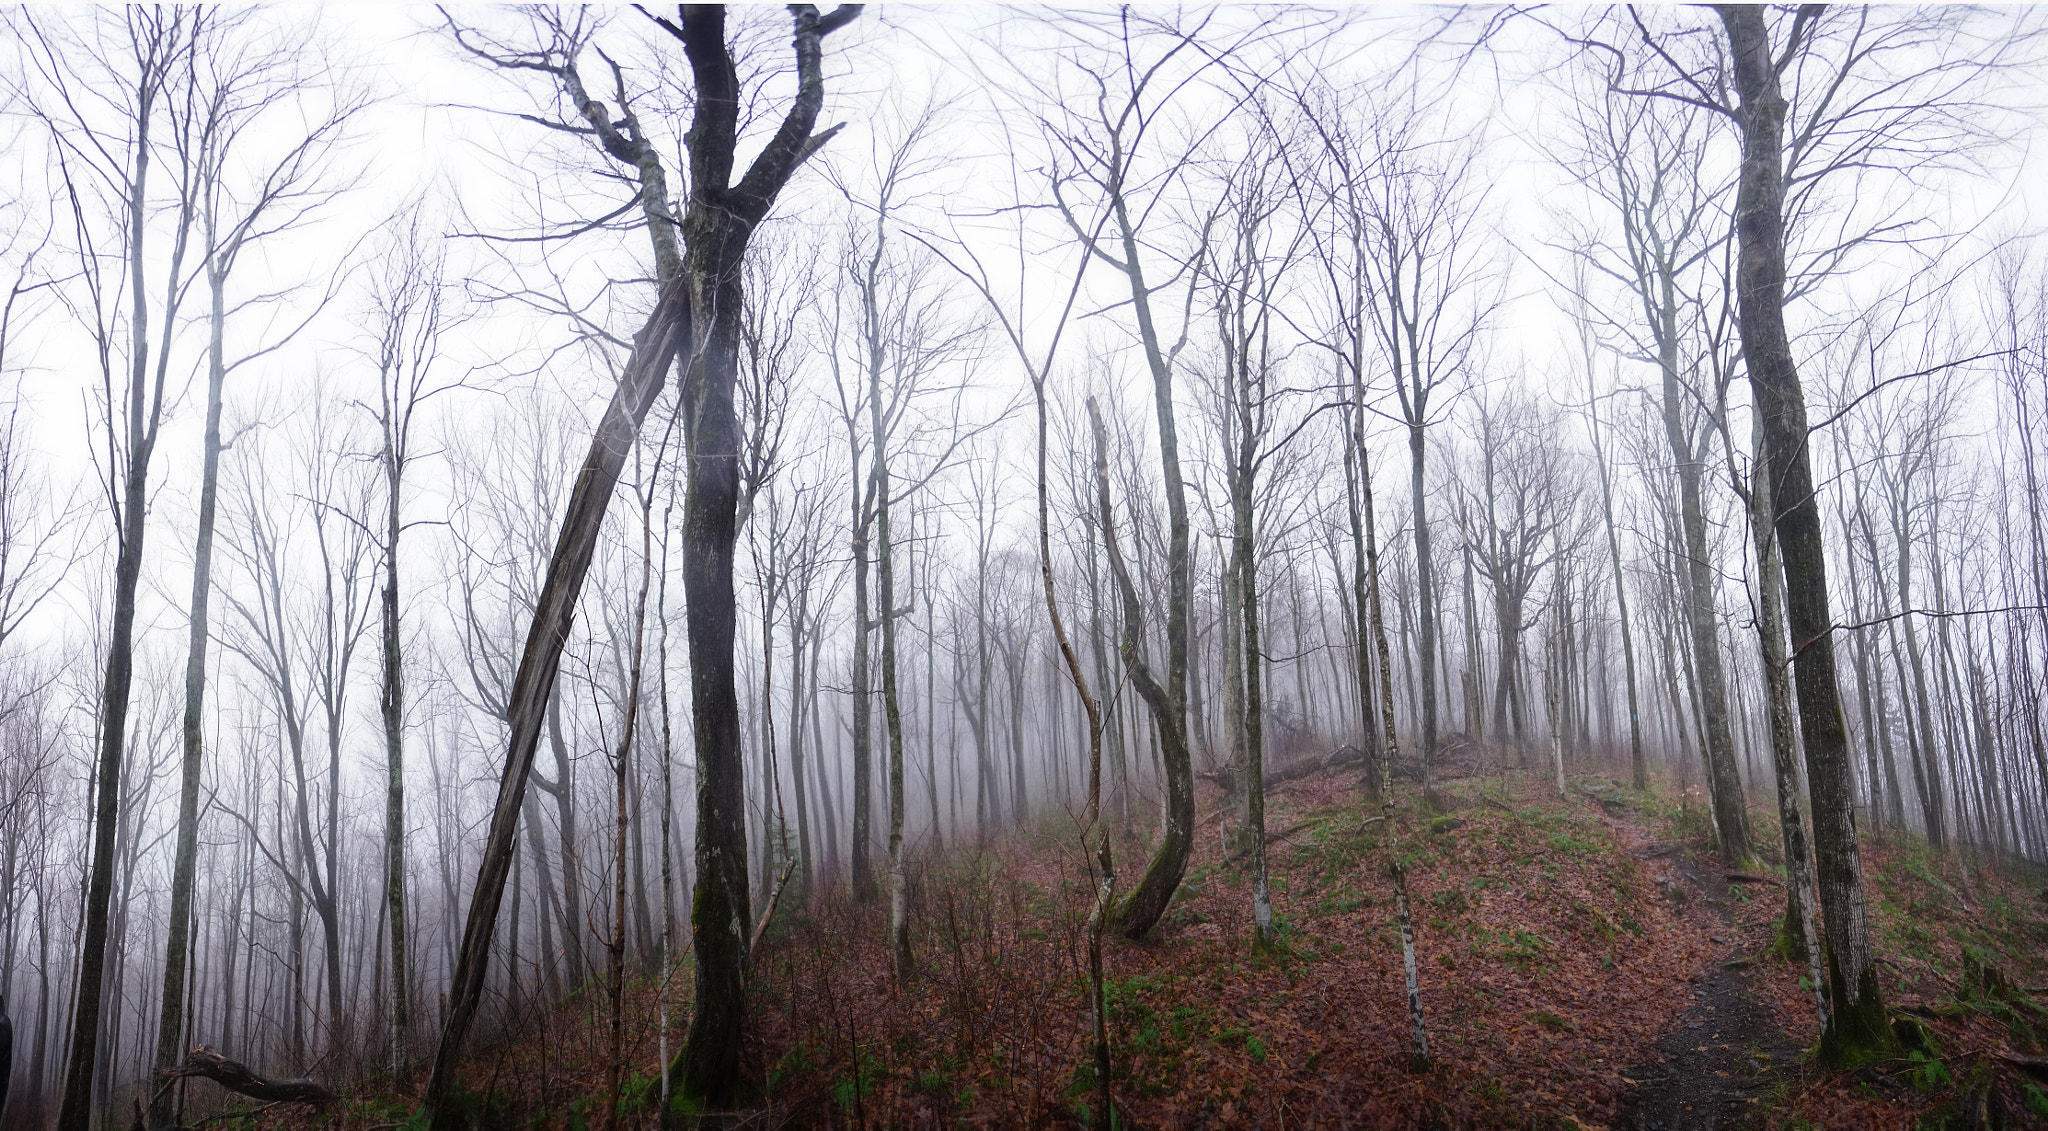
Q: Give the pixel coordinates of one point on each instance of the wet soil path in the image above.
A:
(1718, 1066)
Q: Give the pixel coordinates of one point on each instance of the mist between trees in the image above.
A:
(993, 418)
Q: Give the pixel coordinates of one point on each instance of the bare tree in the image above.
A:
(906, 335)
(1103, 161)
(1341, 233)
(104, 148)
(410, 303)
(1515, 514)
(1434, 289)
(1641, 159)
(235, 80)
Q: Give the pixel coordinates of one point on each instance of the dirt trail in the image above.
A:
(1718, 1064)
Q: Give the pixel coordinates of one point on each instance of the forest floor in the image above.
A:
(1584, 964)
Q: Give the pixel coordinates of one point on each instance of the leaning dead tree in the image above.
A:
(696, 316)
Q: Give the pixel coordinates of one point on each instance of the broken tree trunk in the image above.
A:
(237, 1077)
(667, 330)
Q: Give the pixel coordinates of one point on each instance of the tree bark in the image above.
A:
(1927, 762)
(1857, 1022)
(238, 1078)
(885, 593)
(1724, 784)
(1143, 907)
(1425, 595)
(717, 224)
(1148, 900)
(628, 728)
(864, 887)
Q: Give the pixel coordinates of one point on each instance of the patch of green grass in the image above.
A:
(1343, 901)
(847, 1092)
(1552, 1021)
(1564, 844)
(933, 1083)
(1523, 949)
(1151, 1037)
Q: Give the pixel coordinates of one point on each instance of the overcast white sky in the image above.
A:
(443, 127)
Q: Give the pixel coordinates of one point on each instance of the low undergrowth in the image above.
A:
(1553, 946)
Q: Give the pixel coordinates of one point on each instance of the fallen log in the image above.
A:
(1271, 838)
(1226, 777)
(1752, 878)
(2031, 1065)
(237, 1077)
(1933, 1012)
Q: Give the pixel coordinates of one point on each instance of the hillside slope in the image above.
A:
(1580, 960)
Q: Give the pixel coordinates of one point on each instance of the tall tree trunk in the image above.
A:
(563, 791)
(1697, 578)
(391, 706)
(885, 595)
(640, 382)
(1379, 619)
(864, 889)
(1235, 760)
(1148, 900)
(1361, 601)
(1796, 933)
(668, 889)
(1928, 761)
(1244, 559)
(976, 706)
(1874, 783)
(717, 224)
(1143, 907)
(1856, 1021)
(184, 861)
(621, 760)
(139, 418)
(931, 706)
(1425, 590)
(797, 690)
(1639, 767)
